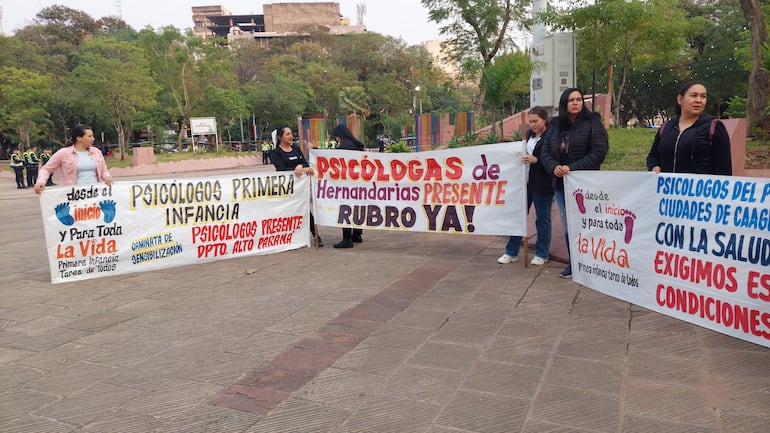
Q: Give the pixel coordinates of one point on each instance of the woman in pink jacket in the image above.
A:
(80, 163)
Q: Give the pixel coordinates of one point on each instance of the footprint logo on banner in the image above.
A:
(63, 214)
(108, 209)
(630, 218)
(580, 200)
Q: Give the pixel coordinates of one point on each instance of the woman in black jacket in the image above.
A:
(539, 191)
(693, 141)
(346, 141)
(287, 156)
(578, 142)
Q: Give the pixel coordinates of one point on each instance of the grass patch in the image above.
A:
(628, 149)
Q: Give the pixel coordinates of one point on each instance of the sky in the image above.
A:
(405, 19)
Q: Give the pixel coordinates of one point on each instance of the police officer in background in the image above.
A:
(18, 167)
(44, 157)
(31, 162)
(266, 149)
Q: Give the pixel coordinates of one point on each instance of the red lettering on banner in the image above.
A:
(759, 286)
(727, 314)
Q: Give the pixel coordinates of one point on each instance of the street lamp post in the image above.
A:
(414, 100)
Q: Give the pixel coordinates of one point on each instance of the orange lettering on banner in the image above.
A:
(600, 249)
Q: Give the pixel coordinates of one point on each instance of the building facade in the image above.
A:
(277, 20)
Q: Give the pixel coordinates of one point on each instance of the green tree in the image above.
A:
(759, 80)
(477, 30)
(23, 96)
(112, 79)
(278, 102)
(624, 34)
(59, 31)
(228, 106)
(505, 79)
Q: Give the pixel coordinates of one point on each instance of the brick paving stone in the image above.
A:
(577, 408)
(431, 385)
(484, 413)
(341, 388)
(37, 425)
(691, 405)
(504, 379)
(585, 374)
(445, 355)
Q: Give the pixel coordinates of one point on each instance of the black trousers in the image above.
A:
(349, 233)
(31, 175)
(19, 175)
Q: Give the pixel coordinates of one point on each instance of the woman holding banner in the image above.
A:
(693, 141)
(539, 191)
(286, 156)
(346, 141)
(578, 142)
(80, 162)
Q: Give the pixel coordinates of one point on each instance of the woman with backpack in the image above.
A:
(693, 141)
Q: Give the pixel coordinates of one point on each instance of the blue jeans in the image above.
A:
(542, 203)
(559, 195)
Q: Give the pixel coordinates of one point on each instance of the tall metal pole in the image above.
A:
(241, 116)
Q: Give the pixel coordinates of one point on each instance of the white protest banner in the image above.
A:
(689, 246)
(98, 230)
(471, 190)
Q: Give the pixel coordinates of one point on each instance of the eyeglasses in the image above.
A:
(565, 144)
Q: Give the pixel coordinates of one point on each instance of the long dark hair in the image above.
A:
(279, 133)
(564, 114)
(78, 131)
(684, 90)
(344, 133)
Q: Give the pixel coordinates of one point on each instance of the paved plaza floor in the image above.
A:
(404, 333)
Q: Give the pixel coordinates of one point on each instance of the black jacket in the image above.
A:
(539, 180)
(691, 151)
(349, 145)
(288, 161)
(587, 144)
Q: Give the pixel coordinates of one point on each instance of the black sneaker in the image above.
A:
(320, 242)
(345, 243)
(567, 272)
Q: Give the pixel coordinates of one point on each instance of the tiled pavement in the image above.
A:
(405, 333)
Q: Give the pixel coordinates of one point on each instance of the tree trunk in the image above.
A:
(479, 103)
(759, 79)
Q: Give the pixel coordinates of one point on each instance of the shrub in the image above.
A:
(399, 147)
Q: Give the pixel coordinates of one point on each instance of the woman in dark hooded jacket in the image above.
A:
(346, 141)
(578, 142)
(693, 141)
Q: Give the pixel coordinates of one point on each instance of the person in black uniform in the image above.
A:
(346, 141)
(44, 157)
(18, 168)
(287, 156)
(31, 162)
